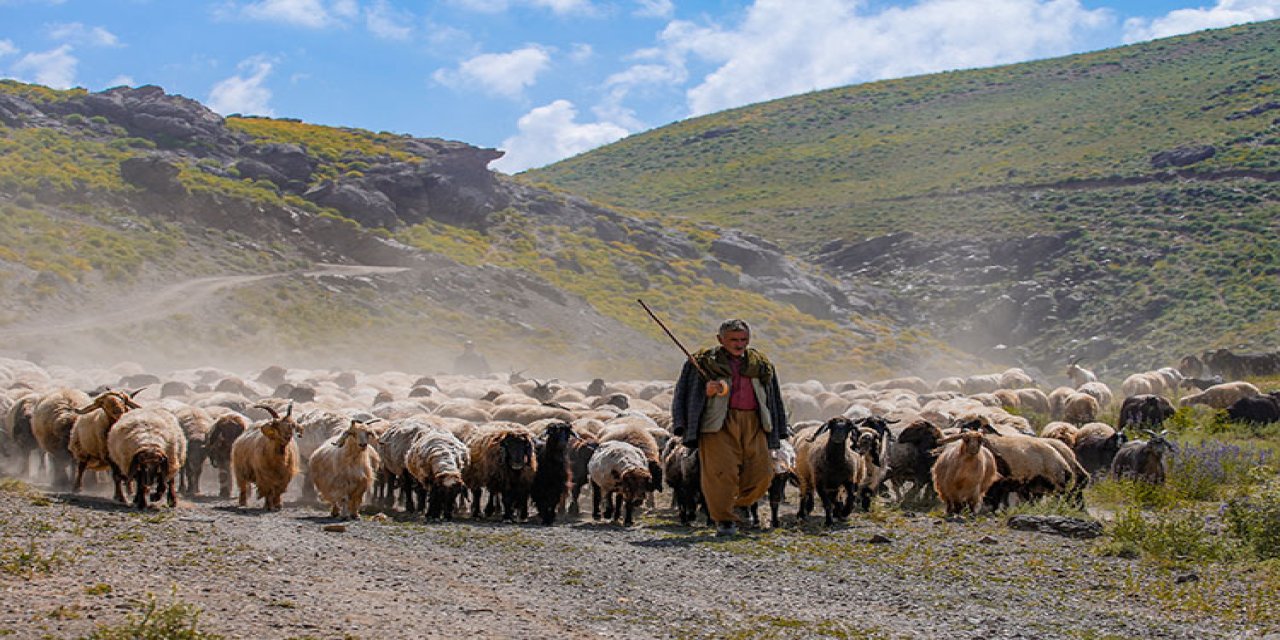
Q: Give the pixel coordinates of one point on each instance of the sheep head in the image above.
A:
(112, 403)
(560, 433)
(633, 484)
(840, 428)
(516, 450)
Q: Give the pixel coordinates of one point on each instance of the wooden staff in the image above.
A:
(724, 388)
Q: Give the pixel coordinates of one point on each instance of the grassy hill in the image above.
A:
(1159, 162)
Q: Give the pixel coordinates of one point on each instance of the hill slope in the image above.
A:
(140, 225)
(1147, 176)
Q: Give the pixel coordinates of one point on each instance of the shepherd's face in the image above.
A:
(735, 342)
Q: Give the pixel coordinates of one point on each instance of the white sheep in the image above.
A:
(343, 469)
(436, 460)
(619, 474)
(1221, 396)
(964, 471)
(51, 423)
(88, 442)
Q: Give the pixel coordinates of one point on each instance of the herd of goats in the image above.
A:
(446, 442)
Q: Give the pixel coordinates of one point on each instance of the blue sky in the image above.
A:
(547, 79)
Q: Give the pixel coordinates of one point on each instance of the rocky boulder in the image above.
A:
(1183, 156)
(152, 173)
(369, 207)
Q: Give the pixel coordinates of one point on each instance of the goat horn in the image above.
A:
(289, 412)
(820, 431)
(274, 415)
(135, 392)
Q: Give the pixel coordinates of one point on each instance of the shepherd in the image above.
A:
(734, 431)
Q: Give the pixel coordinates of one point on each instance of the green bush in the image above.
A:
(1255, 519)
(174, 621)
(1173, 537)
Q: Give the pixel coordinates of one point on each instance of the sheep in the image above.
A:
(51, 423)
(553, 476)
(343, 469)
(964, 471)
(983, 383)
(1064, 432)
(1033, 400)
(620, 475)
(196, 424)
(1096, 446)
(1200, 383)
(88, 440)
(393, 447)
(266, 455)
(1057, 399)
(826, 464)
(227, 426)
(581, 450)
(1080, 408)
(1146, 410)
(1078, 374)
(147, 448)
(18, 428)
(1016, 378)
(527, 413)
(437, 460)
(1221, 396)
(955, 384)
(911, 456)
(638, 431)
(683, 473)
(1100, 391)
(1143, 460)
(503, 462)
(914, 383)
(1031, 467)
(1260, 409)
(784, 472)
(1142, 384)
(318, 427)
(873, 442)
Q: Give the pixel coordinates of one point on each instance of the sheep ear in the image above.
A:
(821, 430)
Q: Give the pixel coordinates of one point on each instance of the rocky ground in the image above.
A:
(70, 564)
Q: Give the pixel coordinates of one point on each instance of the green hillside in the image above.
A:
(1180, 249)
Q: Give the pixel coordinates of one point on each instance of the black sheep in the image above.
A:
(551, 481)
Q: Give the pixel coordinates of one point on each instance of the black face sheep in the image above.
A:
(343, 468)
(18, 425)
(826, 463)
(502, 462)
(1260, 409)
(910, 458)
(148, 448)
(88, 443)
(437, 460)
(266, 455)
(1147, 411)
(552, 478)
(227, 426)
(683, 473)
(964, 471)
(620, 476)
(580, 451)
(1096, 446)
(51, 422)
(1142, 460)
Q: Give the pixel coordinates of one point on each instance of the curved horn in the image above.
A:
(135, 392)
(821, 430)
(274, 415)
(1150, 433)
(87, 410)
(289, 412)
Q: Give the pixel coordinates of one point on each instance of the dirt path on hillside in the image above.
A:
(171, 300)
(281, 575)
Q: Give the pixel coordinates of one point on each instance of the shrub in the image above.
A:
(1168, 536)
(1255, 519)
(1202, 471)
(175, 621)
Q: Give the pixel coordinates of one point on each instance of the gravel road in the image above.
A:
(74, 562)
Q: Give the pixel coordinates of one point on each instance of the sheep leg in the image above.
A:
(353, 505)
(406, 483)
(777, 489)
(491, 507)
(475, 503)
(334, 511)
(830, 504)
(436, 504)
(79, 483)
(140, 492)
(224, 483)
(172, 498)
(573, 501)
(595, 501)
(627, 521)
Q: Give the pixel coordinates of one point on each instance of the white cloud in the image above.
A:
(55, 68)
(581, 52)
(7, 48)
(654, 8)
(244, 93)
(560, 7)
(121, 81)
(1223, 14)
(550, 133)
(504, 74)
(778, 51)
(313, 14)
(77, 33)
(385, 21)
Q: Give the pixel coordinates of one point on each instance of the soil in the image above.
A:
(888, 574)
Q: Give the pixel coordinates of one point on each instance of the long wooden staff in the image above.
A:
(724, 388)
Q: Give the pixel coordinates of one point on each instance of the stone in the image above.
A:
(1057, 525)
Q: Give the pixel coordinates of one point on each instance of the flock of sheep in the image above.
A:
(448, 442)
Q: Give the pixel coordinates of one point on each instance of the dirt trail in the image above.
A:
(172, 300)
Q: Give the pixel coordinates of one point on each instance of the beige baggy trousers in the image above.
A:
(736, 469)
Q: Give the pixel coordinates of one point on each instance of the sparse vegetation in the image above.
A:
(155, 621)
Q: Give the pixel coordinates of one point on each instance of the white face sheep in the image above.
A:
(343, 469)
(266, 455)
(148, 448)
(620, 476)
(964, 471)
(88, 443)
(1078, 374)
